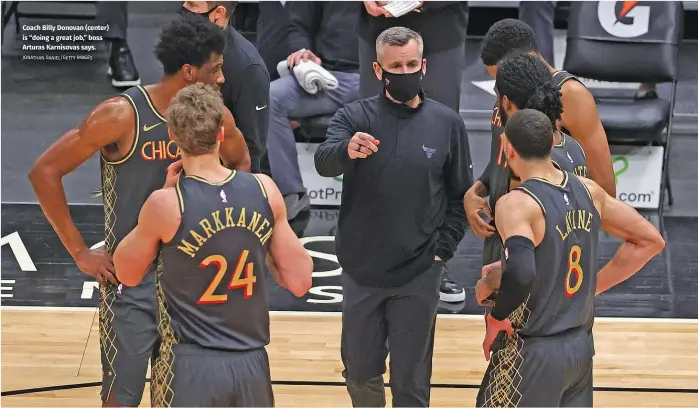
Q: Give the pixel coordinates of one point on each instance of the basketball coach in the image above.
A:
(406, 165)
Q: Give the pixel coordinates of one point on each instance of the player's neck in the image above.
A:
(170, 85)
(207, 166)
(557, 137)
(540, 169)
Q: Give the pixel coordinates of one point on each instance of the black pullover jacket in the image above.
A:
(402, 205)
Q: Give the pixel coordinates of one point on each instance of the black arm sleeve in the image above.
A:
(517, 277)
(249, 106)
(305, 22)
(331, 157)
(459, 178)
(485, 176)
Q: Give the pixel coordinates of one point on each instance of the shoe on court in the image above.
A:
(450, 291)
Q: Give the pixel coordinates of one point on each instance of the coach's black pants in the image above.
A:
(403, 317)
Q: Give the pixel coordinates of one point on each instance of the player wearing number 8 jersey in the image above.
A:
(550, 226)
(215, 229)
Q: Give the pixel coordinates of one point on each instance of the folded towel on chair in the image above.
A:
(310, 76)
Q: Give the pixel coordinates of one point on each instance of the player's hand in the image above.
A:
(474, 205)
(173, 172)
(494, 326)
(374, 8)
(302, 55)
(482, 292)
(362, 145)
(98, 264)
(494, 267)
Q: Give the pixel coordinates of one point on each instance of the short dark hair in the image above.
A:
(229, 6)
(530, 133)
(528, 83)
(505, 36)
(188, 40)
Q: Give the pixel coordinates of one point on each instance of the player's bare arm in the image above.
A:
(474, 203)
(110, 123)
(582, 120)
(158, 221)
(521, 216)
(642, 240)
(289, 262)
(521, 225)
(233, 149)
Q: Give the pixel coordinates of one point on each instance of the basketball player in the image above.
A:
(523, 81)
(550, 228)
(213, 228)
(579, 119)
(131, 134)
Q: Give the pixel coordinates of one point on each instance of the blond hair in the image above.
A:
(195, 117)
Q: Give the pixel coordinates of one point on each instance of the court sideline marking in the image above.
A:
(281, 313)
(342, 384)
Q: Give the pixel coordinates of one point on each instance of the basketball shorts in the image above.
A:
(191, 376)
(492, 249)
(127, 338)
(554, 371)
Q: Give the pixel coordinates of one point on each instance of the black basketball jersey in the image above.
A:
(211, 283)
(127, 183)
(563, 294)
(568, 155)
(560, 77)
(500, 173)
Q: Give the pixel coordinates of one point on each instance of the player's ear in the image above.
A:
(188, 72)
(424, 66)
(506, 104)
(221, 134)
(378, 70)
(169, 133)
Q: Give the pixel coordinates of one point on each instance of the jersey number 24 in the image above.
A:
(236, 282)
(573, 267)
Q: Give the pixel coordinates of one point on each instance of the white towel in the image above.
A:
(310, 76)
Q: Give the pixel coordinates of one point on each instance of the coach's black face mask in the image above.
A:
(403, 87)
(185, 12)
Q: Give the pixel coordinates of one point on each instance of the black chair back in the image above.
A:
(624, 41)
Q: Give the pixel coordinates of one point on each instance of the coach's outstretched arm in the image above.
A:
(331, 157)
(289, 262)
(110, 122)
(642, 240)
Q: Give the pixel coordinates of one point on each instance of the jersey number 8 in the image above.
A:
(236, 282)
(574, 268)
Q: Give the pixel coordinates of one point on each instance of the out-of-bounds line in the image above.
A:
(290, 313)
(342, 384)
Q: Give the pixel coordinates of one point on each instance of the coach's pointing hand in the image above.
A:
(362, 145)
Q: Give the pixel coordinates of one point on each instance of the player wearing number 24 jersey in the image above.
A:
(549, 226)
(215, 230)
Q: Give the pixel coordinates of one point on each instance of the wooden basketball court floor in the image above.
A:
(50, 357)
